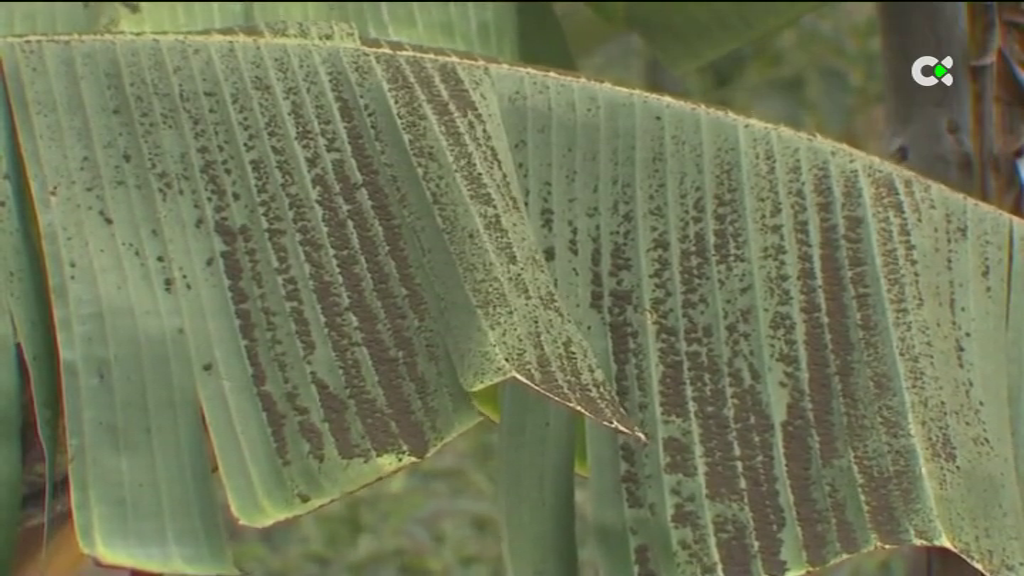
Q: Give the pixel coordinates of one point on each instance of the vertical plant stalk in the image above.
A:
(983, 39)
(929, 126)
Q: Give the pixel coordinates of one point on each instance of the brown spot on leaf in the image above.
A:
(336, 413)
(810, 429)
(708, 384)
(752, 422)
(365, 261)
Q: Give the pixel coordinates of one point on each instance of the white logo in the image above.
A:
(940, 71)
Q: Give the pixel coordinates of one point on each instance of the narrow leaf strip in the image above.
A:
(13, 384)
(823, 350)
(134, 427)
(28, 296)
(536, 438)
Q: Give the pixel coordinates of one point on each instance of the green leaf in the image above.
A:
(822, 350)
(216, 258)
(608, 524)
(585, 32)
(11, 383)
(488, 401)
(28, 303)
(690, 34)
(542, 41)
(537, 440)
(485, 28)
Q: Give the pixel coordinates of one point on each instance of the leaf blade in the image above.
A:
(537, 440)
(772, 310)
(197, 306)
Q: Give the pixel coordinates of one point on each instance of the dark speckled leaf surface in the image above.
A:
(823, 351)
(275, 239)
(320, 247)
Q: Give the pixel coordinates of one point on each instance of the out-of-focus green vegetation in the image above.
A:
(436, 518)
(821, 75)
(440, 517)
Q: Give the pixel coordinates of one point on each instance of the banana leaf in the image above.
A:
(791, 351)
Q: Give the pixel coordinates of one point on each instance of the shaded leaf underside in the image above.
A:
(823, 351)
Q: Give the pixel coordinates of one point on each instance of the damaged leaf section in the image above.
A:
(615, 242)
(473, 212)
(238, 195)
(334, 322)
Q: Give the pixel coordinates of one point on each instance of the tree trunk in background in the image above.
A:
(929, 126)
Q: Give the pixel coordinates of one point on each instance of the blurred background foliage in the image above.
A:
(822, 75)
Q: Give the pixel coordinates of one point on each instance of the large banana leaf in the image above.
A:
(823, 351)
(284, 267)
(504, 30)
